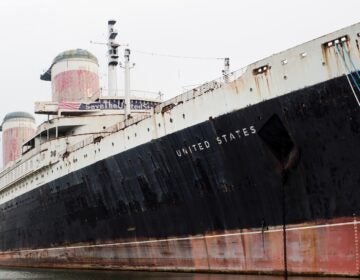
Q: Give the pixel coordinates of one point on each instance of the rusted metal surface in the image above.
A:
(15, 131)
(75, 85)
(323, 248)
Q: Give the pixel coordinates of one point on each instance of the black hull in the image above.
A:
(299, 151)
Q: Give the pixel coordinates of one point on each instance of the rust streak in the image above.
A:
(257, 84)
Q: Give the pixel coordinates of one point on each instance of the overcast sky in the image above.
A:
(33, 32)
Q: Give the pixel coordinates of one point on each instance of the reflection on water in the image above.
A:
(29, 274)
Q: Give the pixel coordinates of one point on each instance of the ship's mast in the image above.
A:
(113, 59)
(226, 70)
(127, 82)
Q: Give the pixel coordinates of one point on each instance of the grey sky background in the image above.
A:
(33, 32)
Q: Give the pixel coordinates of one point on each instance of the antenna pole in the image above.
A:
(113, 59)
(226, 70)
(127, 83)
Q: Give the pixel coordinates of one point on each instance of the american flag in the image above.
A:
(65, 105)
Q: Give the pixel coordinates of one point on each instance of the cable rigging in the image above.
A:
(350, 71)
(178, 56)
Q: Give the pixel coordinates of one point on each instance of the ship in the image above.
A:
(254, 172)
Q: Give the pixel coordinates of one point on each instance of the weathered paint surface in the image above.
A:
(75, 85)
(324, 248)
(15, 132)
